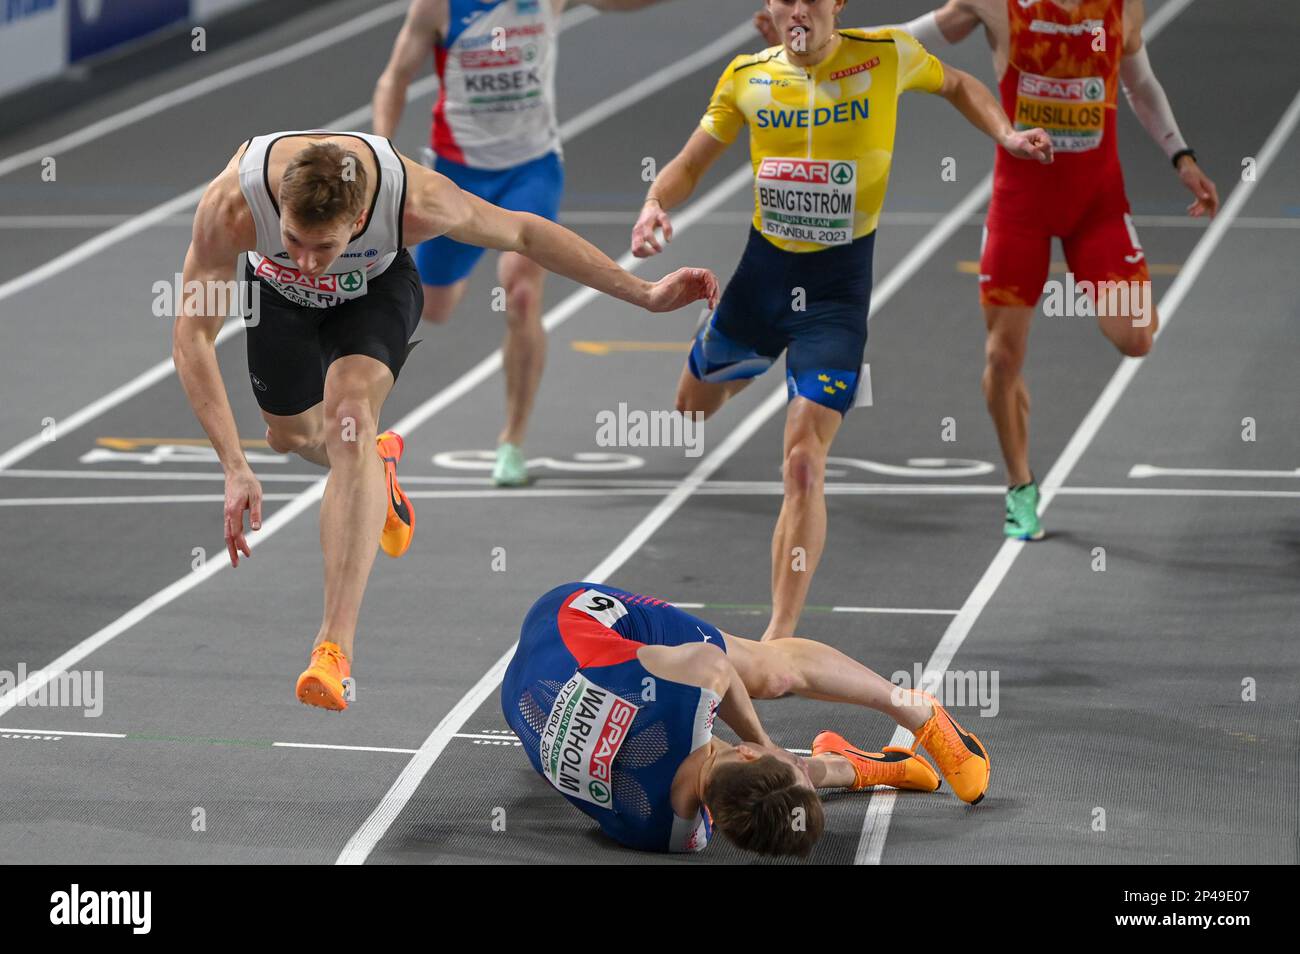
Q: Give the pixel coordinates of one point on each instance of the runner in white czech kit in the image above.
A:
(494, 134)
(324, 217)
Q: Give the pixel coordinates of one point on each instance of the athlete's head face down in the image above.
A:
(322, 205)
(763, 799)
(804, 25)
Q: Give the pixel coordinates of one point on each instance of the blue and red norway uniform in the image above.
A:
(597, 724)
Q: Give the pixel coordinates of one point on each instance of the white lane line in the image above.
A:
(89, 735)
(124, 499)
(339, 748)
(363, 841)
(875, 827)
(1140, 471)
(893, 609)
(311, 495)
(143, 221)
(343, 32)
(661, 78)
(705, 490)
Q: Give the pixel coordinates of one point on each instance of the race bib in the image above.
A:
(807, 200)
(1073, 110)
(601, 607)
(320, 292)
(586, 728)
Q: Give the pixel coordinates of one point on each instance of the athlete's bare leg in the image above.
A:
(302, 434)
(705, 397)
(1131, 334)
(355, 504)
(814, 670)
(1004, 384)
(523, 354)
(800, 534)
(441, 300)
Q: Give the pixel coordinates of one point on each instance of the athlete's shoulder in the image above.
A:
(223, 219)
(884, 34)
(747, 61)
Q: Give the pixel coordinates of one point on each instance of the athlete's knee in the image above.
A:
(437, 309)
(777, 677)
(805, 468)
(1137, 345)
(692, 400)
(523, 299)
(1003, 356)
(351, 426)
(1137, 340)
(291, 440)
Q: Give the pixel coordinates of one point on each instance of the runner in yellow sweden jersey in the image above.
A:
(821, 110)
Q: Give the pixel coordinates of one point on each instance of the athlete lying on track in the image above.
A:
(614, 694)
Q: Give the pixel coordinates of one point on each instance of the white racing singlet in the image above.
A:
(496, 74)
(368, 254)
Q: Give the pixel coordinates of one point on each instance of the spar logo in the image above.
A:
(796, 170)
(284, 275)
(350, 281)
(1083, 89)
(488, 59)
(611, 739)
(841, 173)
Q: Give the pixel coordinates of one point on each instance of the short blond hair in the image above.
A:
(323, 185)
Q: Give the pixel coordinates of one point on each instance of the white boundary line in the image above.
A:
(875, 826)
(208, 84)
(363, 841)
(164, 368)
(707, 490)
(310, 495)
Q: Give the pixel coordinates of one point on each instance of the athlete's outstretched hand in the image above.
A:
(1201, 186)
(1030, 144)
(764, 25)
(681, 288)
(644, 240)
(243, 492)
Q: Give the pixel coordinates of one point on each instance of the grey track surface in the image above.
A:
(1120, 690)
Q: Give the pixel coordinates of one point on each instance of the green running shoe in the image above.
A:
(1022, 513)
(511, 469)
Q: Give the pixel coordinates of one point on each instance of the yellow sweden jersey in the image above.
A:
(821, 140)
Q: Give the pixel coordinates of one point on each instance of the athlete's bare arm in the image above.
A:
(1151, 106)
(223, 228)
(673, 186)
(426, 21)
(436, 206)
(973, 100)
(701, 664)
